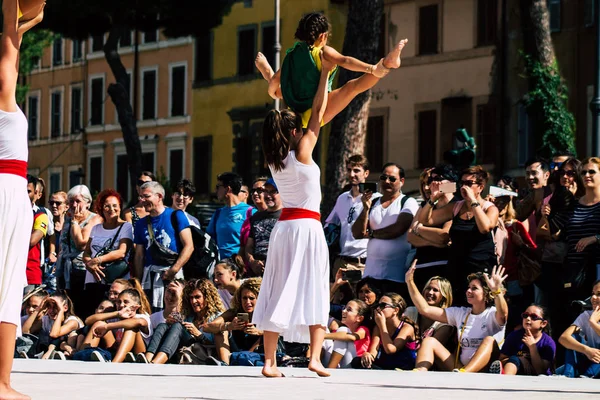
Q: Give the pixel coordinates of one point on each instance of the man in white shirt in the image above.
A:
(385, 221)
(353, 252)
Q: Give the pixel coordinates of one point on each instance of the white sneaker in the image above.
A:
(496, 367)
(141, 358)
(129, 358)
(59, 355)
(185, 359)
(96, 356)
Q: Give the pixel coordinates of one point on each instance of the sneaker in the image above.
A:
(129, 358)
(185, 359)
(458, 370)
(496, 368)
(210, 360)
(96, 356)
(59, 355)
(141, 358)
(23, 354)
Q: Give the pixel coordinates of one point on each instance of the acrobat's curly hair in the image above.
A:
(311, 26)
(212, 300)
(251, 284)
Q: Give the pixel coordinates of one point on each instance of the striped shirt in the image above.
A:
(584, 222)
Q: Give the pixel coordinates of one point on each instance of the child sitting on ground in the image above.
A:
(297, 80)
(32, 304)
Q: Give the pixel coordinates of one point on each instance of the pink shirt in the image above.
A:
(362, 345)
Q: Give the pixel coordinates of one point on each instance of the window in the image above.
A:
(148, 161)
(95, 174)
(178, 90)
(97, 101)
(77, 51)
(487, 22)
(55, 183)
(203, 69)
(427, 138)
(55, 114)
(122, 173)
(33, 110)
(246, 50)
(175, 165)
(151, 36)
(125, 39)
(202, 164)
(588, 18)
(149, 95)
(76, 109)
(554, 10)
(486, 132)
(97, 43)
(268, 44)
(428, 29)
(57, 52)
(374, 142)
(36, 62)
(75, 175)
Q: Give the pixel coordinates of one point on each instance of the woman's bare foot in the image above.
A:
(318, 368)
(392, 60)
(8, 393)
(263, 66)
(272, 372)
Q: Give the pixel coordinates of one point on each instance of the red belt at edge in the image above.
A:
(15, 167)
(298, 213)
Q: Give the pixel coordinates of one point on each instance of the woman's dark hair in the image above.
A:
(276, 136)
(372, 284)
(232, 266)
(510, 182)
(363, 310)
(482, 176)
(212, 301)
(102, 196)
(399, 302)
(544, 311)
(311, 26)
(66, 299)
(487, 293)
(446, 171)
(149, 175)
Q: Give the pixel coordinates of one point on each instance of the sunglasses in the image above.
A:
(179, 194)
(55, 203)
(383, 306)
(384, 177)
(534, 317)
(467, 183)
(570, 173)
(436, 178)
(257, 190)
(590, 172)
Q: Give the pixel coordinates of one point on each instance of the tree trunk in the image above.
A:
(349, 128)
(119, 95)
(535, 24)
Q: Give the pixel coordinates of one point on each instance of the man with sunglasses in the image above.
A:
(348, 206)
(385, 221)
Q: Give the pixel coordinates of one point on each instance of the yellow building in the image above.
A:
(230, 96)
(74, 134)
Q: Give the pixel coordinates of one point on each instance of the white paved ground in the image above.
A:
(78, 380)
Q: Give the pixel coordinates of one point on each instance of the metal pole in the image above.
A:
(278, 44)
(595, 103)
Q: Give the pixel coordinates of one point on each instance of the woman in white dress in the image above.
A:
(16, 215)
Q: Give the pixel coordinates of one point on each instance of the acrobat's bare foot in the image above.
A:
(272, 372)
(392, 60)
(318, 368)
(263, 66)
(8, 393)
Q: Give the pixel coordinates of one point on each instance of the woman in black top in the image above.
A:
(473, 219)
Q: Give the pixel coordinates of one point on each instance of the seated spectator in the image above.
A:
(261, 225)
(351, 340)
(394, 340)
(529, 350)
(582, 341)
(54, 323)
(117, 287)
(183, 196)
(201, 304)
(437, 292)
(340, 294)
(479, 328)
(105, 306)
(227, 280)
(32, 304)
(122, 331)
(172, 300)
(367, 291)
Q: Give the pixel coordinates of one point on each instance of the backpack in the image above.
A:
(206, 252)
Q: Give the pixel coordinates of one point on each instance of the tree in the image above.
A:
(349, 128)
(553, 125)
(32, 47)
(79, 19)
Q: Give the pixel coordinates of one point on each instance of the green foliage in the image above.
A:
(547, 104)
(33, 44)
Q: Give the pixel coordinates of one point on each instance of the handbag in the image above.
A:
(528, 269)
(160, 254)
(115, 269)
(196, 354)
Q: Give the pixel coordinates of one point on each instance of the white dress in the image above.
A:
(294, 293)
(16, 216)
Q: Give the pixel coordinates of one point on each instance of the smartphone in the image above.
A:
(244, 317)
(367, 186)
(352, 275)
(448, 187)
(176, 316)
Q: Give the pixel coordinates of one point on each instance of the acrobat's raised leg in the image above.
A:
(262, 64)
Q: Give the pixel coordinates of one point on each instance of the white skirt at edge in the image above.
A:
(16, 221)
(295, 288)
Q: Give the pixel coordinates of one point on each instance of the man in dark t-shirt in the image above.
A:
(261, 225)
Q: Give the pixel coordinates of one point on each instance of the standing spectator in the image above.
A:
(183, 196)
(58, 209)
(70, 268)
(244, 193)
(537, 173)
(153, 273)
(258, 199)
(38, 233)
(226, 223)
(348, 206)
(559, 158)
(386, 222)
(134, 213)
(40, 200)
(261, 225)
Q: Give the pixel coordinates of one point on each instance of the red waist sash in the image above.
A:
(298, 213)
(15, 167)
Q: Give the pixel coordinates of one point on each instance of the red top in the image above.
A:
(298, 213)
(15, 167)
(510, 256)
